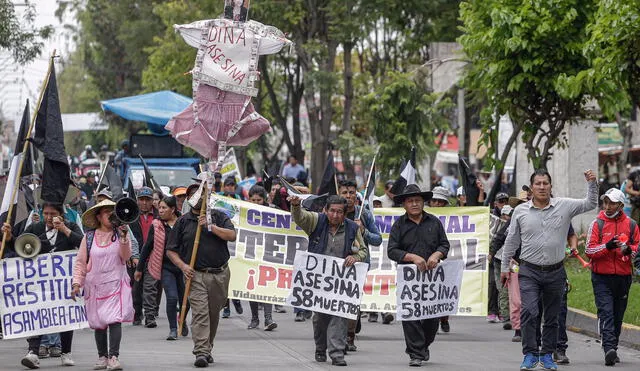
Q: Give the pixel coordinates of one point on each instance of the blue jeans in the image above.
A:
(51, 340)
(173, 283)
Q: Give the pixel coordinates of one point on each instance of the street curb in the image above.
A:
(587, 323)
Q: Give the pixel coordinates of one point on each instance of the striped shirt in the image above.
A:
(542, 233)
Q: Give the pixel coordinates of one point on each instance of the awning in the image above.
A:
(156, 109)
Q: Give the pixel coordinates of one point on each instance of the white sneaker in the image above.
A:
(31, 361)
(101, 364)
(67, 360)
(114, 364)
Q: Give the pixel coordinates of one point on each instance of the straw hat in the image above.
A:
(89, 219)
(515, 201)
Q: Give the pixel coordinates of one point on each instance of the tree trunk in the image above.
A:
(346, 115)
(626, 133)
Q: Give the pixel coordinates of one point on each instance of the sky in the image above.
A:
(21, 82)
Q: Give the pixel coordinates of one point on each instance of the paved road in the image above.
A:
(473, 344)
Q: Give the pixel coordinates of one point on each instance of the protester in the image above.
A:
(611, 265)
(144, 297)
(501, 200)
(157, 197)
(440, 198)
(539, 227)
(118, 160)
(292, 169)
(100, 269)
(258, 196)
(495, 255)
(363, 217)
(180, 193)
(105, 194)
(210, 275)
(330, 332)
(417, 237)
(55, 235)
(633, 191)
(513, 284)
(387, 198)
(159, 267)
(88, 153)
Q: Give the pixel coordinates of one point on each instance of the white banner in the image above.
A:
(36, 296)
(323, 284)
(429, 294)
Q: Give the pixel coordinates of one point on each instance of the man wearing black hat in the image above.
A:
(417, 237)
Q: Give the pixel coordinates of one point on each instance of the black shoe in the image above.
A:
(351, 347)
(299, 317)
(610, 357)
(560, 356)
(507, 326)
(185, 330)
(150, 323)
(209, 359)
(387, 318)
(269, 325)
(201, 361)
(321, 357)
(415, 362)
(444, 325)
(237, 305)
(307, 314)
(617, 360)
(338, 362)
(373, 317)
(253, 324)
(137, 322)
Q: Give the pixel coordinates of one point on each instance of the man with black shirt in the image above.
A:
(417, 237)
(210, 275)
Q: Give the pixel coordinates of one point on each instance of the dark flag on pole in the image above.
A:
(310, 202)
(112, 181)
(49, 139)
(13, 171)
(328, 182)
(148, 177)
(131, 192)
(407, 176)
(468, 182)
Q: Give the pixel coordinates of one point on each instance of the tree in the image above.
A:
(520, 53)
(23, 39)
(405, 115)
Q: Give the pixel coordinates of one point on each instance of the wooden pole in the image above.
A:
(25, 148)
(192, 263)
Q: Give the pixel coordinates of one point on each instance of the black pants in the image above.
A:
(549, 287)
(611, 293)
(136, 293)
(66, 338)
(563, 338)
(418, 335)
(112, 347)
(494, 307)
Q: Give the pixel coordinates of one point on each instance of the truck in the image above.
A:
(164, 157)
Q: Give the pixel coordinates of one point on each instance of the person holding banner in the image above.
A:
(55, 234)
(370, 235)
(210, 275)
(539, 228)
(330, 233)
(612, 267)
(100, 269)
(417, 237)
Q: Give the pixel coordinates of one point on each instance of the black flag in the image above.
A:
(328, 183)
(112, 181)
(131, 193)
(148, 177)
(310, 202)
(407, 176)
(468, 182)
(49, 139)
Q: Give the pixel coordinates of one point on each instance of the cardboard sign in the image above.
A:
(430, 294)
(323, 284)
(36, 296)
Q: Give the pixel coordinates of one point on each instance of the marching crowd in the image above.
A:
(122, 270)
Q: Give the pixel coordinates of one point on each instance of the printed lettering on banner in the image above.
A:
(430, 294)
(323, 284)
(227, 54)
(36, 296)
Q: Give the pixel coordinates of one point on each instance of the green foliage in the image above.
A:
(403, 116)
(521, 53)
(23, 39)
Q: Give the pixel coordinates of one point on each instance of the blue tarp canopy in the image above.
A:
(156, 109)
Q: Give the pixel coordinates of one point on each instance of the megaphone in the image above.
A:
(27, 245)
(126, 211)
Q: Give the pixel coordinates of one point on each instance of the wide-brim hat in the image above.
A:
(89, 219)
(410, 191)
(440, 193)
(515, 201)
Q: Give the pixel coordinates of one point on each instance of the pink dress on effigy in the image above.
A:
(107, 292)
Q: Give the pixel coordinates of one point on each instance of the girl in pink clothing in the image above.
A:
(101, 271)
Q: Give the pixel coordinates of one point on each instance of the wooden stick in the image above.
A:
(25, 148)
(192, 263)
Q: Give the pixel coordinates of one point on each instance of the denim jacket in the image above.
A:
(371, 235)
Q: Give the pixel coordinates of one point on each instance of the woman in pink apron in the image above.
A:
(101, 271)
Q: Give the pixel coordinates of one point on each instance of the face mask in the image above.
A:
(615, 214)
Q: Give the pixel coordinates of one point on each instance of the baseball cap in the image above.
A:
(180, 191)
(506, 210)
(502, 196)
(613, 194)
(229, 181)
(145, 192)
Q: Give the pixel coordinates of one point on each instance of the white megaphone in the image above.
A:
(27, 245)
